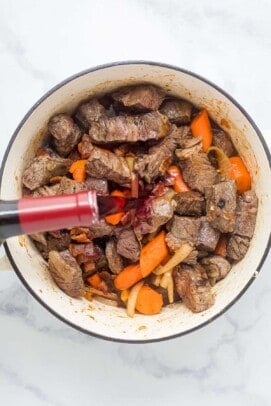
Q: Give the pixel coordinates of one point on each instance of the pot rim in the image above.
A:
(49, 93)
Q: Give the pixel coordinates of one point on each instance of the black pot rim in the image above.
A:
(28, 114)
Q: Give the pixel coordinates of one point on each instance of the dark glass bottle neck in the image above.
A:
(9, 219)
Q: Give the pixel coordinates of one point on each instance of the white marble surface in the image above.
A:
(42, 361)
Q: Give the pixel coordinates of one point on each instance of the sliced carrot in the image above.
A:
(78, 170)
(128, 277)
(201, 127)
(116, 218)
(221, 247)
(153, 253)
(148, 301)
(179, 184)
(94, 280)
(240, 174)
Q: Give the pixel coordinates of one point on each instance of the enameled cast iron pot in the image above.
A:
(94, 317)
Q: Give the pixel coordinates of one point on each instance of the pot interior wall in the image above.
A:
(93, 316)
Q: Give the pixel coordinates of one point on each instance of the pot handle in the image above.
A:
(4, 262)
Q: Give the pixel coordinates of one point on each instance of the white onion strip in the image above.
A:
(179, 255)
(131, 303)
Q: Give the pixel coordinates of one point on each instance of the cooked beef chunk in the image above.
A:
(155, 212)
(65, 132)
(182, 229)
(114, 260)
(85, 252)
(142, 97)
(157, 160)
(99, 185)
(237, 247)
(69, 186)
(58, 244)
(103, 164)
(86, 147)
(66, 273)
(208, 236)
(221, 205)
(189, 203)
(42, 169)
(246, 211)
(193, 287)
(46, 190)
(177, 111)
(89, 112)
(127, 245)
(101, 229)
(223, 141)
(198, 172)
(189, 145)
(149, 126)
(216, 268)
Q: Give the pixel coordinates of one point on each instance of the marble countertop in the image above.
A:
(44, 362)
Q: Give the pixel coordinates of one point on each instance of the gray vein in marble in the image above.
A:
(18, 381)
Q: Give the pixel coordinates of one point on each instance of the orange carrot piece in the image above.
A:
(128, 277)
(201, 127)
(179, 184)
(78, 170)
(153, 253)
(240, 174)
(94, 280)
(148, 301)
(221, 247)
(116, 218)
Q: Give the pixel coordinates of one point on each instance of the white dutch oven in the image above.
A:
(96, 318)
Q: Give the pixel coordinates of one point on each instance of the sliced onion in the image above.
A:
(222, 160)
(170, 289)
(131, 303)
(156, 280)
(97, 292)
(106, 301)
(179, 255)
(165, 279)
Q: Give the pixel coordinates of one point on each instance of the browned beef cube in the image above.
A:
(101, 229)
(246, 212)
(198, 172)
(114, 260)
(155, 163)
(66, 273)
(104, 164)
(221, 205)
(223, 141)
(127, 245)
(216, 268)
(208, 236)
(193, 287)
(189, 203)
(155, 212)
(177, 111)
(65, 132)
(182, 229)
(141, 97)
(149, 126)
(237, 247)
(42, 169)
(89, 112)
